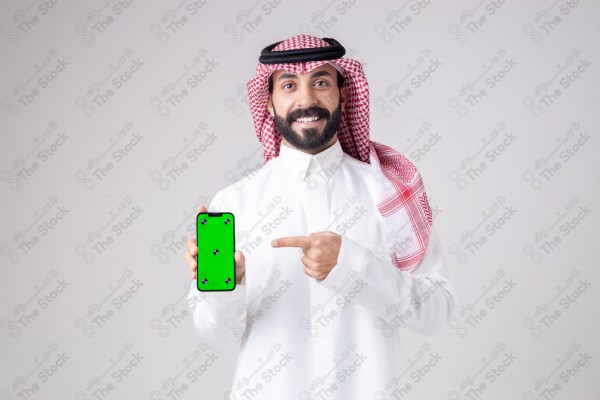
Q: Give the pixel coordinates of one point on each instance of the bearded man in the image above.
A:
(336, 248)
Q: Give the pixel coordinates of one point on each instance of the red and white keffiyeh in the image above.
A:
(403, 202)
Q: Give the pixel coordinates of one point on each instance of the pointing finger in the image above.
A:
(292, 241)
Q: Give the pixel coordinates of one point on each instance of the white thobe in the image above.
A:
(300, 338)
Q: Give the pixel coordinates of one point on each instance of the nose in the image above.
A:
(306, 96)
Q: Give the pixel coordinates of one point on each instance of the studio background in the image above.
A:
(118, 117)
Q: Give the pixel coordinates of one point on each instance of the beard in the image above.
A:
(310, 139)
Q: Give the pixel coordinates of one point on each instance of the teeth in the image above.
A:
(307, 119)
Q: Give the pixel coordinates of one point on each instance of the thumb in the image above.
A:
(240, 260)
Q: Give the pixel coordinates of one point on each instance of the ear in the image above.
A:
(270, 106)
(345, 93)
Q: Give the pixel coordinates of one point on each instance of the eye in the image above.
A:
(321, 83)
(287, 85)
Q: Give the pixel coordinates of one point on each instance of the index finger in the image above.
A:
(292, 241)
(201, 208)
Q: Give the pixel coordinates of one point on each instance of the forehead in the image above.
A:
(326, 67)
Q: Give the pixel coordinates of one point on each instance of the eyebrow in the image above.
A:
(294, 76)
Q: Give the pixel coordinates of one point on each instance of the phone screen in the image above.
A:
(216, 248)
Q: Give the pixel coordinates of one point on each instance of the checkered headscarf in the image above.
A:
(402, 203)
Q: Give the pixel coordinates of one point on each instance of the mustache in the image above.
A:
(313, 111)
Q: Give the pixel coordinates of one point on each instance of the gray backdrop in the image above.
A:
(119, 116)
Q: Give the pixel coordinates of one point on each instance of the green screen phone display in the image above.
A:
(216, 248)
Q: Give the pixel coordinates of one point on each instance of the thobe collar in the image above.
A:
(303, 166)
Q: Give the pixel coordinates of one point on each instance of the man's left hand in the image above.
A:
(321, 250)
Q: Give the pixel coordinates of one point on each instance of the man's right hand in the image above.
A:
(190, 257)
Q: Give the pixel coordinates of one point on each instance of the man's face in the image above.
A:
(307, 107)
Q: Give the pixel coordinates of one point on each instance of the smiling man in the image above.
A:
(336, 248)
(310, 128)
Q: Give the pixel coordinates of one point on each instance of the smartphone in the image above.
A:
(216, 248)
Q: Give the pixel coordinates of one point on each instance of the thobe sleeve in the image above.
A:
(219, 317)
(421, 300)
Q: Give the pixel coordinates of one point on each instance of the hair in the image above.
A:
(340, 81)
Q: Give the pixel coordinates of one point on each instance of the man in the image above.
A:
(336, 252)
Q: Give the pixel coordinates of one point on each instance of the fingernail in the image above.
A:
(274, 243)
